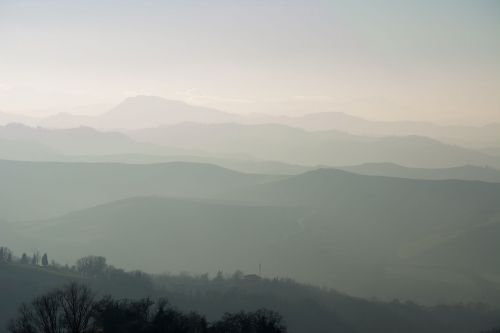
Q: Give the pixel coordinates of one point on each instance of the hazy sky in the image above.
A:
(435, 60)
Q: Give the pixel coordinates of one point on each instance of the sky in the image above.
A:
(429, 60)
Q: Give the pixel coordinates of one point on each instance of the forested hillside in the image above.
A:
(304, 308)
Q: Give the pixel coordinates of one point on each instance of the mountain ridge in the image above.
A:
(133, 110)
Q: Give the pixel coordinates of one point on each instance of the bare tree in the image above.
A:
(77, 302)
(46, 310)
(66, 310)
(24, 323)
(35, 260)
(72, 309)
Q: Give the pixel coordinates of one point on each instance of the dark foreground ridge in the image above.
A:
(74, 309)
(304, 308)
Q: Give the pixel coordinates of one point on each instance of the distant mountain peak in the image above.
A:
(144, 111)
(148, 102)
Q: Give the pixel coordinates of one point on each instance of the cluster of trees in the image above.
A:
(74, 309)
(305, 308)
(90, 266)
(6, 255)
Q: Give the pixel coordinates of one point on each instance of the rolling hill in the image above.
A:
(27, 150)
(205, 232)
(465, 172)
(365, 235)
(469, 136)
(150, 111)
(304, 308)
(297, 146)
(78, 141)
(140, 112)
(32, 190)
(23, 143)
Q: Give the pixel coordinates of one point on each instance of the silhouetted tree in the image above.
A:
(35, 260)
(5, 254)
(238, 275)
(24, 259)
(168, 319)
(25, 321)
(72, 309)
(123, 316)
(91, 265)
(219, 276)
(77, 303)
(260, 321)
(66, 310)
(45, 260)
(46, 312)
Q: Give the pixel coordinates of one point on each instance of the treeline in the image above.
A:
(6, 255)
(305, 308)
(74, 309)
(89, 266)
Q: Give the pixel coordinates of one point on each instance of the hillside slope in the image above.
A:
(366, 235)
(297, 146)
(32, 190)
(465, 172)
(304, 308)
